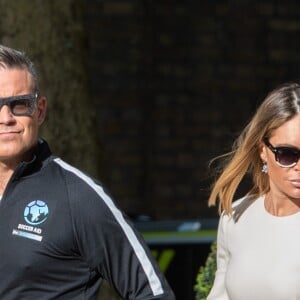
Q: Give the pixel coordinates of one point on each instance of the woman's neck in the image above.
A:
(281, 207)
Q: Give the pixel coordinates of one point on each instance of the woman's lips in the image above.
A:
(295, 182)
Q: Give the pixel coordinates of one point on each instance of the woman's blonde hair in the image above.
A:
(280, 105)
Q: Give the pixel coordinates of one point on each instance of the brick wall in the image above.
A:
(174, 83)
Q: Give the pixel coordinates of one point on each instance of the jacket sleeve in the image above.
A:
(218, 291)
(114, 249)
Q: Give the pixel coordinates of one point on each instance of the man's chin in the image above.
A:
(15, 155)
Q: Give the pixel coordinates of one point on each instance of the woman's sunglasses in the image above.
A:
(21, 105)
(286, 157)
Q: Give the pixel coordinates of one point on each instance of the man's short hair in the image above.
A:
(14, 59)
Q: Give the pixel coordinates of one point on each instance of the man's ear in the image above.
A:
(41, 109)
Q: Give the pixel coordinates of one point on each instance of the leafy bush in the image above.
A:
(206, 275)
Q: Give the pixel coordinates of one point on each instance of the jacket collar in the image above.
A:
(40, 158)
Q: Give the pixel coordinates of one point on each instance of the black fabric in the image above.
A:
(61, 234)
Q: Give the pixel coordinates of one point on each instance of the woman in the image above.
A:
(258, 246)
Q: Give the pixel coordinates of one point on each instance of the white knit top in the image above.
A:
(258, 255)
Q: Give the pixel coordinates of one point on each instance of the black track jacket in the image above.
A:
(61, 234)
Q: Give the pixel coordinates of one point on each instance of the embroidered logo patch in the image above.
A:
(36, 212)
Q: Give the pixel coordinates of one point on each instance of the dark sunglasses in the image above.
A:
(21, 105)
(285, 157)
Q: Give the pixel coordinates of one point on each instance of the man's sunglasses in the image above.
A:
(21, 105)
(285, 157)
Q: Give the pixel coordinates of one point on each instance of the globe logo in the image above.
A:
(36, 212)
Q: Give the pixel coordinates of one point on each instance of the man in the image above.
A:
(60, 232)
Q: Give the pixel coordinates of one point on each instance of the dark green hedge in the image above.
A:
(206, 275)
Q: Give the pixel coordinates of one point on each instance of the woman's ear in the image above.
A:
(263, 154)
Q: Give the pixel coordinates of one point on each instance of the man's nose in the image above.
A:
(6, 115)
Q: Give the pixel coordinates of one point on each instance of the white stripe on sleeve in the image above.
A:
(153, 279)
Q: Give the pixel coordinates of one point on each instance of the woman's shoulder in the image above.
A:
(243, 202)
(240, 206)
